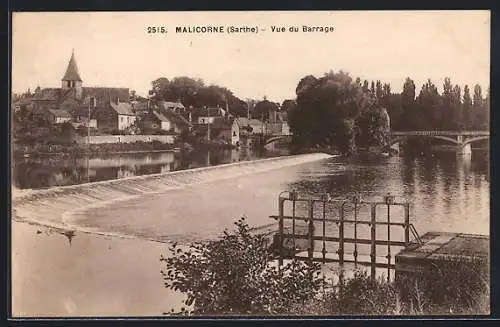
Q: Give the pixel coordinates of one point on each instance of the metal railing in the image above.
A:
(327, 217)
(440, 133)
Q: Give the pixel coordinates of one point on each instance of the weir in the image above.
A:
(49, 206)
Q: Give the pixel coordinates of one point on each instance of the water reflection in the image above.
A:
(449, 191)
(54, 171)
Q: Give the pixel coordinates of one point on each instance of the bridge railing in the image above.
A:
(440, 133)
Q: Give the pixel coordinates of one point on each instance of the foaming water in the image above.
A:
(59, 206)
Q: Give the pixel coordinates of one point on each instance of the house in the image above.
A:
(165, 120)
(226, 129)
(115, 115)
(252, 126)
(141, 108)
(278, 128)
(59, 116)
(172, 106)
(208, 115)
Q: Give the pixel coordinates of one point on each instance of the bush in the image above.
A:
(458, 286)
(233, 276)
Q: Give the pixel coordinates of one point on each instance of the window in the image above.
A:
(234, 133)
(123, 119)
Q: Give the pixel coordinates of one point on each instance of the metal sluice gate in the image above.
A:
(343, 222)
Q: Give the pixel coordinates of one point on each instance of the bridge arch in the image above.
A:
(398, 139)
(276, 138)
(474, 139)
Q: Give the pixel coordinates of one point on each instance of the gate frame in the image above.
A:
(388, 200)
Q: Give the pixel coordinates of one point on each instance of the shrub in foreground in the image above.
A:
(233, 276)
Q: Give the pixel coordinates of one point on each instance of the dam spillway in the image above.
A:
(49, 206)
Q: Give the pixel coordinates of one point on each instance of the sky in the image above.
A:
(114, 49)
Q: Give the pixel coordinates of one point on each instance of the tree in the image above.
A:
(378, 90)
(446, 112)
(457, 105)
(408, 107)
(288, 105)
(373, 127)
(326, 111)
(467, 109)
(480, 112)
(428, 113)
(233, 275)
(159, 88)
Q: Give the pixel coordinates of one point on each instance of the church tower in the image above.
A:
(72, 79)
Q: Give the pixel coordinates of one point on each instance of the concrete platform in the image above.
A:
(438, 245)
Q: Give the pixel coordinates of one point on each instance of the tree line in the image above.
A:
(451, 110)
(336, 110)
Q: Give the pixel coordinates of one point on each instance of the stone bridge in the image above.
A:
(462, 139)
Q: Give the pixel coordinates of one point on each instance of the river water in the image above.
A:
(446, 193)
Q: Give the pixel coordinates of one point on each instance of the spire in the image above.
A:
(72, 73)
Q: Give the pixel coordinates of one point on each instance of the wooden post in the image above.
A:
(407, 224)
(355, 231)
(373, 251)
(341, 235)
(311, 230)
(388, 241)
(323, 251)
(281, 227)
(293, 223)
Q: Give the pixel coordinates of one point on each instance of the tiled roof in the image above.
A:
(122, 108)
(106, 94)
(160, 116)
(60, 113)
(48, 94)
(175, 118)
(72, 73)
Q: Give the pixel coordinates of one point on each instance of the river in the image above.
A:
(98, 275)
(446, 192)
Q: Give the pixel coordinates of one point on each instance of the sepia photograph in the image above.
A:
(250, 164)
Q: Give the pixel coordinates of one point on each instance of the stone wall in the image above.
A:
(100, 139)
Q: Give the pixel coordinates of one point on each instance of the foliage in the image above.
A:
(326, 110)
(233, 275)
(363, 295)
(459, 286)
(373, 127)
(288, 105)
(193, 92)
(326, 107)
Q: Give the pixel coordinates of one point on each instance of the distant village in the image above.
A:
(114, 114)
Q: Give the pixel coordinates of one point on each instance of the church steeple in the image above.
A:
(72, 79)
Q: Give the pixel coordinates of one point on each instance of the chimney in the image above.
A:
(117, 100)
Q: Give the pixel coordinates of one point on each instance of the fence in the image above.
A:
(341, 225)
